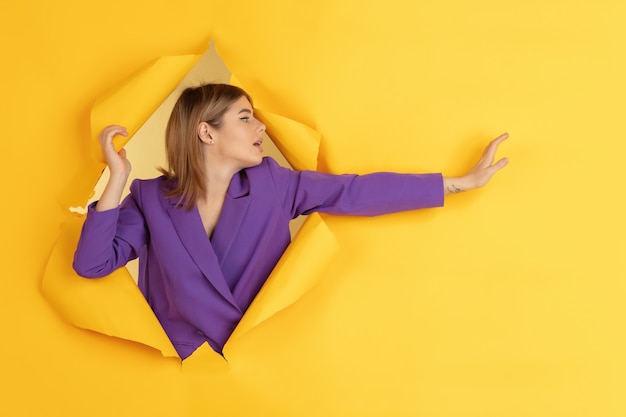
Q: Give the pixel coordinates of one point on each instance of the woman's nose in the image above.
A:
(261, 126)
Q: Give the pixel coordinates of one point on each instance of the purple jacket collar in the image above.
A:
(204, 251)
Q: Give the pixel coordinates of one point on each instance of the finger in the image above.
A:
(114, 127)
(490, 171)
(500, 138)
(497, 141)
(489, 154)
(117, 130)
(501, 164)
(110, 131)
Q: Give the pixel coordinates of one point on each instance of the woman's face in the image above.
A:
(238, 140)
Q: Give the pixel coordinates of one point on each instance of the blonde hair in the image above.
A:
(206, 103)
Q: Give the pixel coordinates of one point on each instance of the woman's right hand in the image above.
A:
(116, 161)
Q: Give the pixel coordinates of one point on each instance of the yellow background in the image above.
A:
(508, 302)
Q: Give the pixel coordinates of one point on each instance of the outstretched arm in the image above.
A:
(481, 173)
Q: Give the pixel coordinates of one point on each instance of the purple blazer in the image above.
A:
(199, 288)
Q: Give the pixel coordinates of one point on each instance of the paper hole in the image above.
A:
(146, 149)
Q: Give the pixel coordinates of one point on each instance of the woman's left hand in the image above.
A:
(481, 173)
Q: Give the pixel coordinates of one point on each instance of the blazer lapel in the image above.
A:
(188, 225)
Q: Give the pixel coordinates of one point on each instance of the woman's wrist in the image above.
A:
(118, 177)
(112, 194)
(455, 185)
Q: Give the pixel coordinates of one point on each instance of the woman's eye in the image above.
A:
(245, 119)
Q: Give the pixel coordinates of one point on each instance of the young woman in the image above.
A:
(209, 231)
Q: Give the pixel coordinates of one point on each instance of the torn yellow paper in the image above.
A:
(129, 105)
(113, 305)
(296, 273)
(298, 143)
(205, 359)
(132, 103)
(505, 303)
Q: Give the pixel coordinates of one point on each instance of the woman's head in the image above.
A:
(207, 103)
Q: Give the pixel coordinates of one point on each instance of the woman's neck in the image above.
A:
(217, 178)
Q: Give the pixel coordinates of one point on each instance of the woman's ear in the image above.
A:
(205, 133)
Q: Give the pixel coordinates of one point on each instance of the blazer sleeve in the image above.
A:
(373, 194)
(111, 238)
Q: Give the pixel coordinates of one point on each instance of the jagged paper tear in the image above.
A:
(113, 305)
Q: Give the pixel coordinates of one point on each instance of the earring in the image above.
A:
(212, 142)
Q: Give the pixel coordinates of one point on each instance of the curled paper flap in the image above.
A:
(129, 105)
(296, 274)
(298, 143)
(113, 305)
(133, 102)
